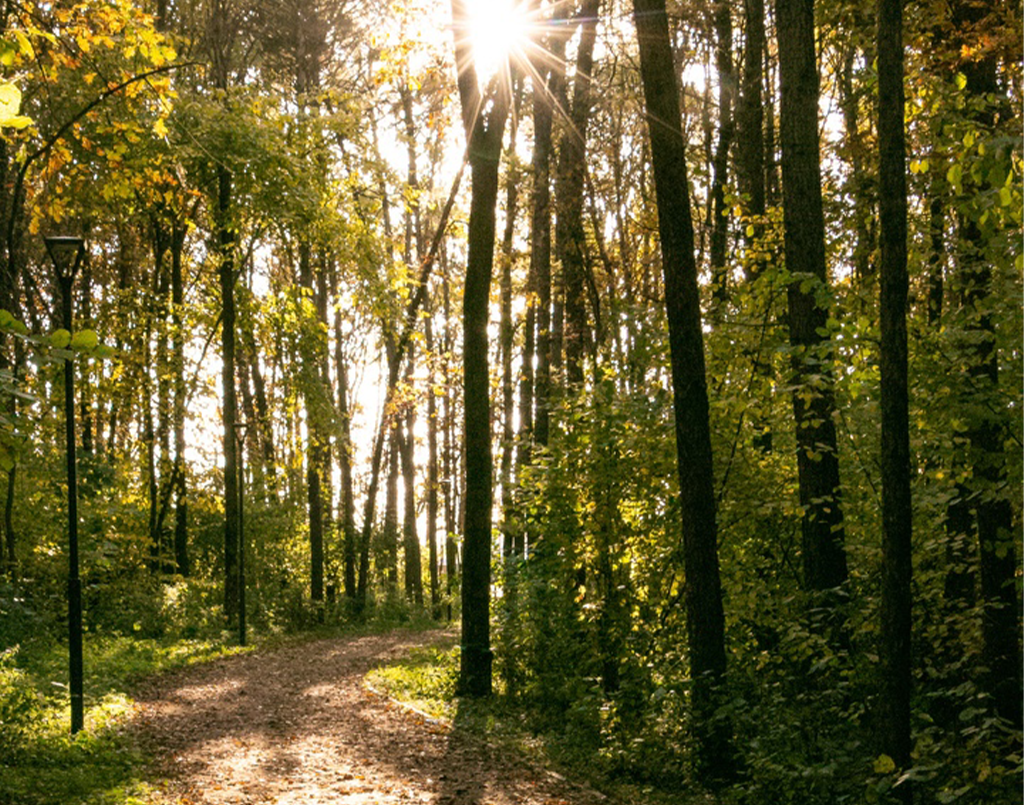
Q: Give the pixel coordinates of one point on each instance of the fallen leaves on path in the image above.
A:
(295, 726)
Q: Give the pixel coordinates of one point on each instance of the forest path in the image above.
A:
(296, 725)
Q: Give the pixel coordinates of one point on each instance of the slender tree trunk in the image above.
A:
(824, 556)
(312, 392)
(391, 510)
(149, 442)
(726, 129)
(432, 469)
(705, 620)
(507, 341)
(750, 146)
(570, 239)
(451, 469)
(937, 248)
(411, 540)
(226, 243)
(540, 254)
(348, 508)
(897, 512)
(771, 163)
(181, 556)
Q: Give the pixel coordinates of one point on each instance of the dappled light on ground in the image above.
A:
(297, 725)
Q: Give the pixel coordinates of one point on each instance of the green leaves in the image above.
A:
(60, 339)
(11, 325)
(85, 340)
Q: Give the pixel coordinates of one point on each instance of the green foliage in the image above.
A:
(40, 762)
(425, 679)
(17, 704)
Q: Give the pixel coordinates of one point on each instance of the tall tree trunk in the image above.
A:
(181, 556)
(861, 184)
(771, 163)
(507, 331)
(410, 537)
(897, 512)
(705, 620)
(391, 510)
(226, 243)
(750, 146)
(348, 508)
(824, 556)
(726, 129)
(149, 439)
(312, 392)
(433, 476)
(540, 252)
(451, 464)
(936, 246)
(570, 240)
(483, 119)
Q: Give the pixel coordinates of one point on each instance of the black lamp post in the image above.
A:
(66, 252)
(240, 428)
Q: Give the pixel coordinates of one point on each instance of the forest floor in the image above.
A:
(297, 725)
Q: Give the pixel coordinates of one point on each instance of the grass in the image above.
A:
(40, 762)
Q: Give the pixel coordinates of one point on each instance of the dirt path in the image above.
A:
(296, 725)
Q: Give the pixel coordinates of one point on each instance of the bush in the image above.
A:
(18, 705)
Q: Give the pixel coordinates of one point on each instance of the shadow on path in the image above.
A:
(297, 725)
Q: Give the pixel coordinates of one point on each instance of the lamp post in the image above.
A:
(240, 428)
(66, 252)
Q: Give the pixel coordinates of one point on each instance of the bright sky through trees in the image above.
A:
(499, 30)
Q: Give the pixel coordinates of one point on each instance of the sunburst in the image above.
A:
(500, 33)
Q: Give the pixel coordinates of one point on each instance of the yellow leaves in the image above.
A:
(160, 127)
(24, 45)
(884, 765)
(10, 103)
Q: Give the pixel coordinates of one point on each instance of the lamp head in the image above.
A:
(66, 251)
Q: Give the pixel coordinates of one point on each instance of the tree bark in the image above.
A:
(410, 537)
(181, 556)
(897, 512)
(750, 146)
(824, 556)
(483, 117)
(703, 592)
(726, 129)
(226, 244)
(507, 330)
(570, 239)
(540, 249)
(433, 476)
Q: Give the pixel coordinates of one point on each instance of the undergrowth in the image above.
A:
(426, 678)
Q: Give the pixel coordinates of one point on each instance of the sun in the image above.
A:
(499, 31)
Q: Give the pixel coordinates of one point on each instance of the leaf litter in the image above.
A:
(296, 726)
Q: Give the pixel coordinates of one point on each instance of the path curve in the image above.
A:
(296, 725)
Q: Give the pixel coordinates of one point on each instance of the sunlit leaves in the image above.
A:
(10, 104)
